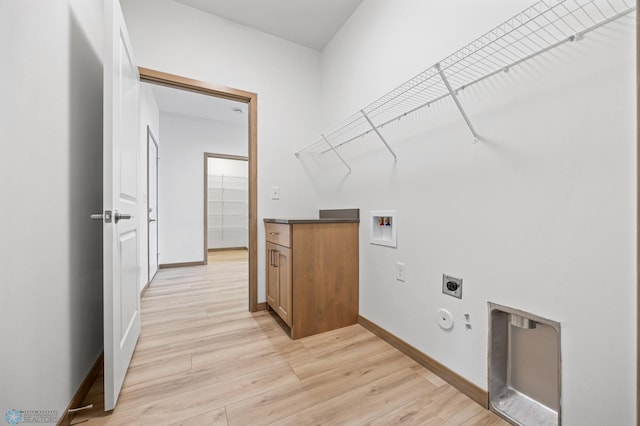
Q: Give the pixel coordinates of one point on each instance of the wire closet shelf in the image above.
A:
(538, 29)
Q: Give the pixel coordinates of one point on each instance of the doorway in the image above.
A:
(152, 209)
(250, 100)
(226, 216)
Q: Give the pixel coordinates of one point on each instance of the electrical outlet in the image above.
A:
(400, 271)
(452, 286)
(275, 192)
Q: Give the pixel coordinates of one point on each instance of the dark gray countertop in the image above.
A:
(325, 220)
(325, 216)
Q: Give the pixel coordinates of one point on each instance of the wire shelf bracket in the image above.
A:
(375, 129)
(545, 25)
(337, 153)
(454, 96)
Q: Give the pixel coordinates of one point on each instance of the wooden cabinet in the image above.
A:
(312, 275)
(279, 280)
(272, 276)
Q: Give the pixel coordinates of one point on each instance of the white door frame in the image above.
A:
(151, 139)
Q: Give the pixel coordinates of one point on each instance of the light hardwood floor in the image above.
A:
(203, 359)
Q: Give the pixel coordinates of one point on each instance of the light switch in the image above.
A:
(400, 271)
(275, 192)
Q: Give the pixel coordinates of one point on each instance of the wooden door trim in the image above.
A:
(179, 82)
(208, 155)
(251, 99)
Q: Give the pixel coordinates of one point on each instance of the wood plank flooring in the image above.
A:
(203, 359)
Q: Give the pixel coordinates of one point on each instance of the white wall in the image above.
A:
(51, 174)
(540, 215)
(174, 38)
(223, 166)
(149, 116)
(184, 142)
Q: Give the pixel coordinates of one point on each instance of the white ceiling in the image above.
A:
(193, 104)
(311, 23)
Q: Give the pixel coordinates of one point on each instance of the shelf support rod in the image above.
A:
(458, 104)
(336, 152)
(304, 148)
(375, 129)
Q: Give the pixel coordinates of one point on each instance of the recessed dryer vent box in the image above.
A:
(383, 228)
(524, 367)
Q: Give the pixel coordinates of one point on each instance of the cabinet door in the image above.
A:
(272, 276)
(284, 298)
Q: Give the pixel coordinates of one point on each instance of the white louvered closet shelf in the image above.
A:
(542, 27)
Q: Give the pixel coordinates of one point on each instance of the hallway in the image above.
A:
(202, 359)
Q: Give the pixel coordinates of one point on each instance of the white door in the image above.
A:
(121, 262)
(152, 158)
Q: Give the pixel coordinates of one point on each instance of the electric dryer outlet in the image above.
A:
(452, 286)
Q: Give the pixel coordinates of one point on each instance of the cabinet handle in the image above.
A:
(274, 233)
(277, 258)
(271, 258)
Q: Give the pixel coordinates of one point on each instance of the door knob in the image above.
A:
(106, 216)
